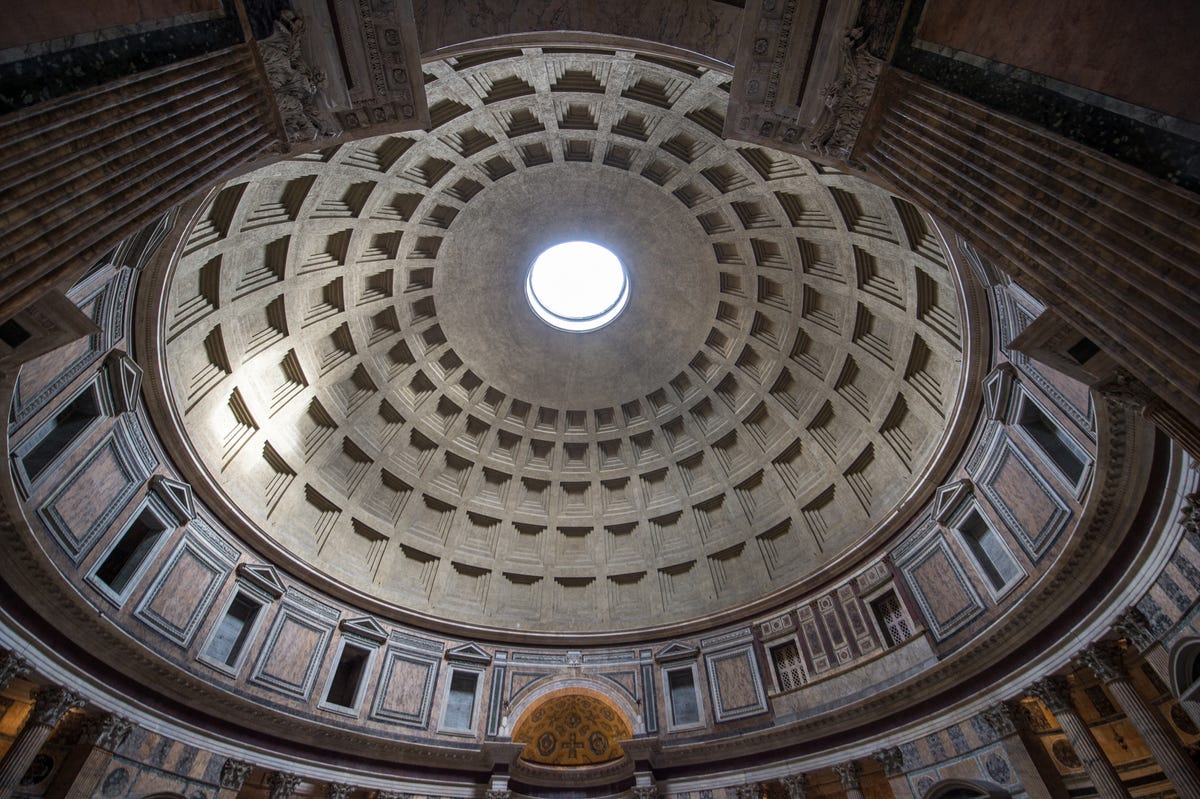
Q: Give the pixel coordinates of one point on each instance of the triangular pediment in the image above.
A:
(365, 627)
(262, 577)
(470, 653)
(997, 388)
(176, 496)
(125, 380)
(676, 651)
(947, 499)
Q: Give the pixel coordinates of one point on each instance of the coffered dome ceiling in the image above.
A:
(352, 362)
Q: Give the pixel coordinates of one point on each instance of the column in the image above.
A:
(233, 777)
(86, 764)
(281, 785)
(892, 760)
(1055, 694)
(851, 776)
(1030, 760)
(12, 666)
(1104, 660)
(50, 704)
(796, 786)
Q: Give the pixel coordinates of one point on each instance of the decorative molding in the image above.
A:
(199, 596)
(1034, 542)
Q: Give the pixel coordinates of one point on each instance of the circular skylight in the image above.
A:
(577, 286)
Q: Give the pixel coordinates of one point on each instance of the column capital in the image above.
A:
(282, 784)
(234, 773)
(645, 791)
(796, 785)
(850, 774)
(749, 790)
(52, 702)
(392, 795)
(106, 732)
(12, 666)
(1103, 659)
(1125, 389)
(1054, 692)
(338, 790)
(494, 794)
(1005, 718)
(892, 760)
(1133, 626)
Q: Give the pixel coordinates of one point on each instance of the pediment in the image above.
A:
(948, 498)
(676, 651)
(262, 577)
(365, 627)
(469, 653)
(177, 496)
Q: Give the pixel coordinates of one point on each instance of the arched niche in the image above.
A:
(966, 789)
(1185, 675)
(572, 727)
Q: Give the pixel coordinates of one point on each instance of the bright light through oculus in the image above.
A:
(577, 286)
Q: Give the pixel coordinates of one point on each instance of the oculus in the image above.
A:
(577, 286)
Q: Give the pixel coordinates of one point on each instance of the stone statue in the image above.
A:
(294, 81)
(846, 99)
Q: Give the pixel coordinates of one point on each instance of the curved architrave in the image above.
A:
(545, 690)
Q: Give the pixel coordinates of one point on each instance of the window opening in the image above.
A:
(989, 550)
(1051, 439)
(347, 677)
(131, 551)
(460, 701)
(1083, 350)
(892, 619)
(577, 286)
(681, 683)
(229, 639)
(789, 666)
(13, 333)
(64, 428)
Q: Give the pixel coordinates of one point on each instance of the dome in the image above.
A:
(868, 471)
(347, 336)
